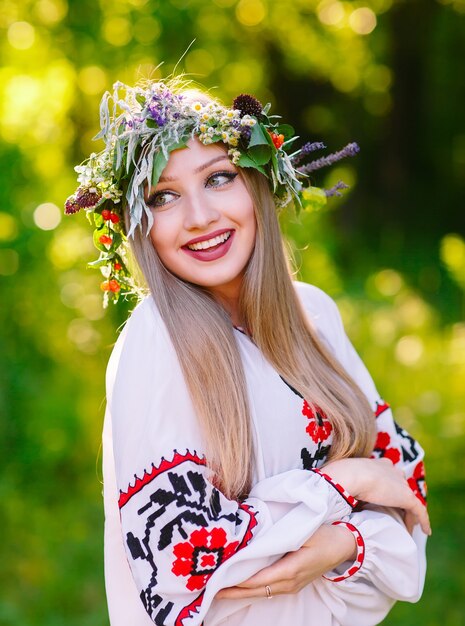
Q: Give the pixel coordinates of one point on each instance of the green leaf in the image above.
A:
(260, 154)
(247, 161)
(159, 164)
(179, 145)
(117, 239)
(313, 199)
(98, 232)
(100, 262)
(258, 136)
(285, 129)
(98, 219)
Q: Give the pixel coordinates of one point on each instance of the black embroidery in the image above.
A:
(310, 462)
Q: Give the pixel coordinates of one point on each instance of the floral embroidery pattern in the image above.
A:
(417, 482)
(199, 557)
(384, 449)
(173, 509)
(319, 427)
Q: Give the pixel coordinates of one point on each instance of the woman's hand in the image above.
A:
(378, 481)
(328, 547)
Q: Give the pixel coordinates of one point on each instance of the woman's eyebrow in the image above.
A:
(200, 168)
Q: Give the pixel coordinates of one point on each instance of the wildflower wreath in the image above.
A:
(141, 125)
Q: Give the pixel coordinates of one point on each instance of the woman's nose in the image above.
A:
(200, 212)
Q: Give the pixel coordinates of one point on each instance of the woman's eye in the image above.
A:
(161, 198)
(220, 178)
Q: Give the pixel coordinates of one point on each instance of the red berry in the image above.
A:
(114, 285)
(106, 214)
(105, 286)
(114, 218)
(117, 266)
(278, 140)
(105, 240)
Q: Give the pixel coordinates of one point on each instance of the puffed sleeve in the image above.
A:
(172, 538)
(390, 563)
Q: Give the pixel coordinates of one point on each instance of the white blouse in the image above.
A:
(172, 540)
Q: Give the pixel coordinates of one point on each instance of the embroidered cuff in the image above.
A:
(345, 494)
(357, 564)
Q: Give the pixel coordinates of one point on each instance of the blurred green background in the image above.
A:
(385, 73)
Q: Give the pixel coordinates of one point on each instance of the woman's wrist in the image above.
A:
(334, 544)
(349, 473)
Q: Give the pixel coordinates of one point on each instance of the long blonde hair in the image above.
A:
(203, 337)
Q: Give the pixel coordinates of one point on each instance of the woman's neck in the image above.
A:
(228, 297)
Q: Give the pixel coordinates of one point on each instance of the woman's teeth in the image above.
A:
(210, 243)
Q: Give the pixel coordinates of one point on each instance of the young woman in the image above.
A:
(251, 469)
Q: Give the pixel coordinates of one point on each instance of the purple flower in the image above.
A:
(71, 206)
(350, 150)
(246, 131)
(305, 150)
(334, 191)
(87, 198)
(156, 111)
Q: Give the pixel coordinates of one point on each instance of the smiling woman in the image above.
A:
(242, 427)
(203, 220)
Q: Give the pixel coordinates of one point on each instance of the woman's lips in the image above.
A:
(213, 253)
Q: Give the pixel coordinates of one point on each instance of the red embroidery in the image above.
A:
(156, 471)
(199, 557)
(360, 553)
(345, 494)
(417, 482)
(319, 427)
(381, 406)
(382, 446)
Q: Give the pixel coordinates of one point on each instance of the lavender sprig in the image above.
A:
(350, 150)
(334, 191)
(305, 150)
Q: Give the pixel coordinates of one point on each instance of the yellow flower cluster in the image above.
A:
(217, 123)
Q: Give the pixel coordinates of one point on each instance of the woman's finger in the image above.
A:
(259, 591)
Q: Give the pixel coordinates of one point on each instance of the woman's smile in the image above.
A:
(212, 248)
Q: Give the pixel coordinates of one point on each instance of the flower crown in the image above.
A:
(141, 125)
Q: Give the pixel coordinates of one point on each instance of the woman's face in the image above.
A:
(204, 222)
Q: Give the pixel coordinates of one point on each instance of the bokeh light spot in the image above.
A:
(21, 35)
(452, 253)
(92, 80)
(47, 216)
(362, 21)
(383, 328)
(69, 245)
(388, 282)
(8, 227)
(83, 335)
(409, 350)
(50, 12)
(250, 12)
(345, 78)
(378, 77)
(117, 31)
(330, 13)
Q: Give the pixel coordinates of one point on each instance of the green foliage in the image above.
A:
(391, 252)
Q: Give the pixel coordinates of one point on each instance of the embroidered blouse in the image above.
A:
(173, 540)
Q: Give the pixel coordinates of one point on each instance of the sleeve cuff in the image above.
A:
(357, 564)
(339, 488)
